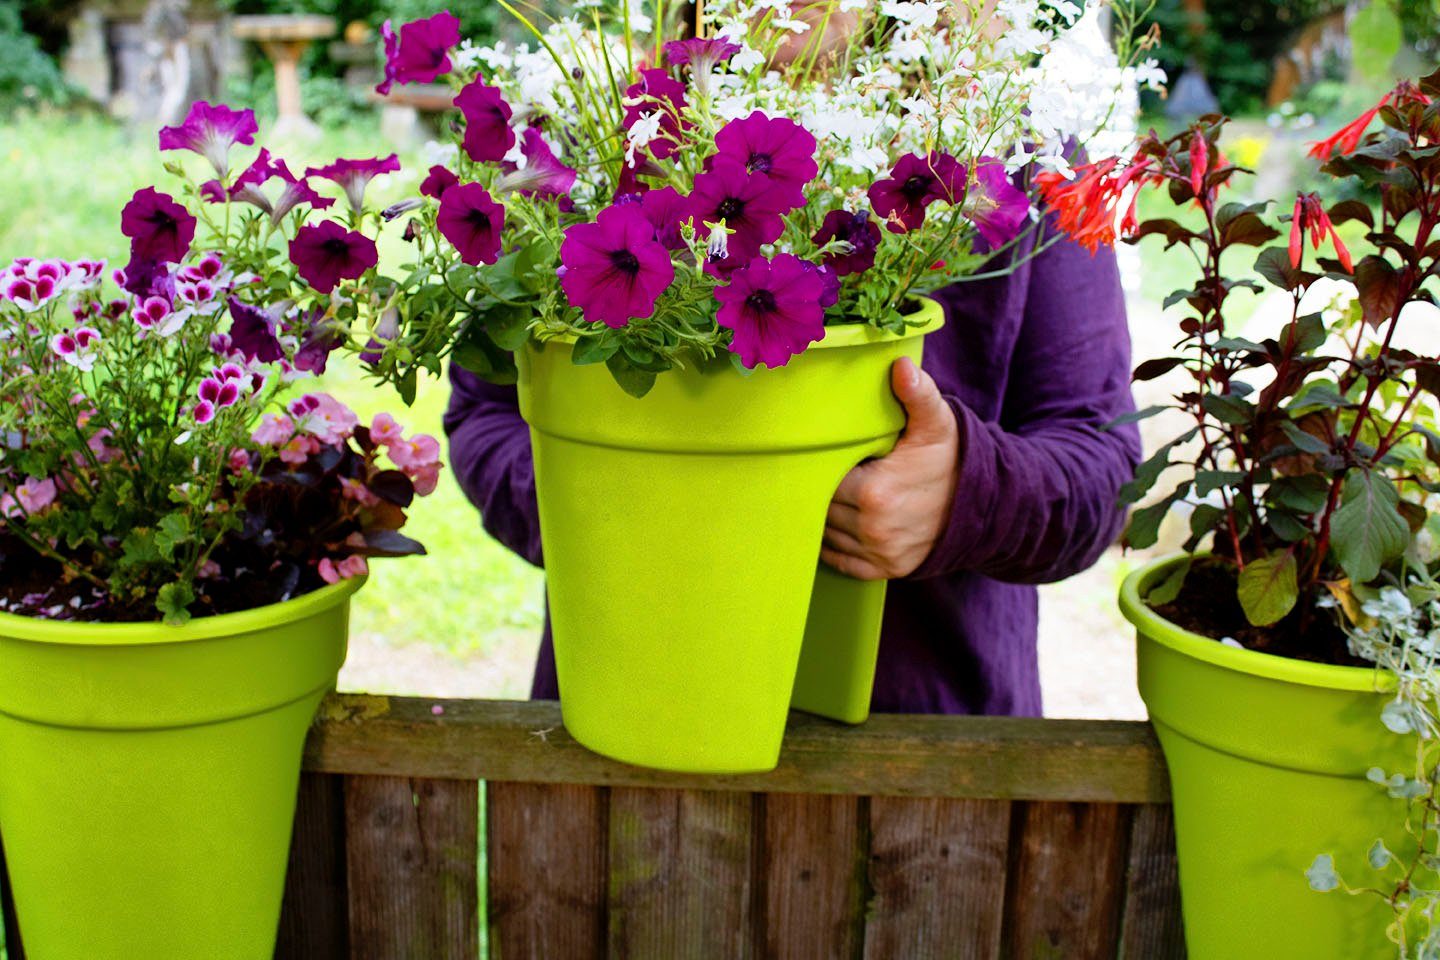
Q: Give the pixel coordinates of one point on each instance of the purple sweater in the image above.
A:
(1034, 365)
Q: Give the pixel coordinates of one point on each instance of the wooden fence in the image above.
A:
(909, 837)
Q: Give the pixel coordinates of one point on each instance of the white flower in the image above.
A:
(717, 245)
(641, 132)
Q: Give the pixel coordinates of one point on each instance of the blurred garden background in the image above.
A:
(84, 85)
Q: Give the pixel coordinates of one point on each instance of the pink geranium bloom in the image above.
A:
(354, 176)
(35, 494)
(323, 417)
(351, 566)
(385, 431)
(488, 136)
(211, 131)
(773, 307)
(615, 269)
(421, 52)
(159, 228)
(328, 253)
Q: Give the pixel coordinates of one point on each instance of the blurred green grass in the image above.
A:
(68, 175)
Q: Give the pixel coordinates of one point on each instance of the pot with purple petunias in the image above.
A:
(184, 517)
(700, 273)
(1288, 654)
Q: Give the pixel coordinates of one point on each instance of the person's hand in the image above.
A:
(888, 513)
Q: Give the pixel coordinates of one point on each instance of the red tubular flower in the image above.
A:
(1347, 138)
(1309, 214)
(1086, 207)
(1199, 163)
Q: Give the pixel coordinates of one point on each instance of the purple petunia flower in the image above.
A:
(829, 283)
(146, 278)
(297, 189)
(773, 307)
(615, 269)
(856, 229)
(781, 151)
(656, 91)
(543, 174)
(326, 254)
(158, 227)
(387, 329)
(253, 332)
(211, 131)
(471, 220)
(914, 184)
(436, 181)
(751, 206)
(319, 339)
(666, 210)
(996, 206)
(355, 175)
(488, 136)
(421, 52)
(703, 54)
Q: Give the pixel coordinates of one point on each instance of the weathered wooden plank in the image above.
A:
(547, 870)
(681, 863)
(9, 925)
(937, 876)
(927, 756)
(411, 852)
(814, 882)
(1151, 928)
(315, 920)
(1066, 880)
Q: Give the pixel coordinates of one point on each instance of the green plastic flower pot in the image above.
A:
(1267, 759)
(148, 776)
(682, 534)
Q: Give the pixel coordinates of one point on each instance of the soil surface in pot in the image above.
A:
(1207, 605)
(36, 586)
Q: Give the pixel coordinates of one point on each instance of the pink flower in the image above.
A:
(326, 254)
(299, 449)
(239, 462)
(275, 430)
(211, 131)
(77, 347)
(159, 228)
(323, 417)
(353, 489)
(35, 494)
(488, 136)
(385, 431)
(351, 566)
(426, 479)
(419, 452)
(421, 51)
(354, 176)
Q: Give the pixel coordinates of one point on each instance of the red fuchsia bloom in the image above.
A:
(421, 52)
(667, 211)
(773, 307)
(614, 268)
(354, 176)
(657, 95)
(1347, 139)
(488, 136)
(297, 190)
(751, 206)
(385, 431)
(996, 206)
(1199, 163)
(347, 569)
(1087, 207)
(159, 228)
(211, 131)
(1310, 214)
(328, 253)
(77, 347)
(321, 416)
(436, 181)
(914, 184)
(857, 230)
(472, 221)
(779, 150)
(543, 174)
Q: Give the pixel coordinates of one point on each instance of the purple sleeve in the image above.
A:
(490, 454)
(1036, 495)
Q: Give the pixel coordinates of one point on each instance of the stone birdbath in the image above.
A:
(284, 38)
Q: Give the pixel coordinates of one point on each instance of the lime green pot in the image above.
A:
(148, 776)
(1267, 759)
(682, 533)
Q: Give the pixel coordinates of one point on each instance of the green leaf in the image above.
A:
(1367, 531)
(1208, 481)
(1228, 408)
(509, 326)
(173, 601)
(1168, 589)
(632, 380)
(173, 530)
(1267, 588)
(1135, 416)
(594, 349)
(1274, 265)
(1143, 530)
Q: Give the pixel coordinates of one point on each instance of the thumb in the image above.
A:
(929, 417)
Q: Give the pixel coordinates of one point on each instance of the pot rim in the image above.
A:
(84, 633)
(837, 334)
(1156, 628)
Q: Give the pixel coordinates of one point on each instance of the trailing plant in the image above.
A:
(158, 451)
(662, 201)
